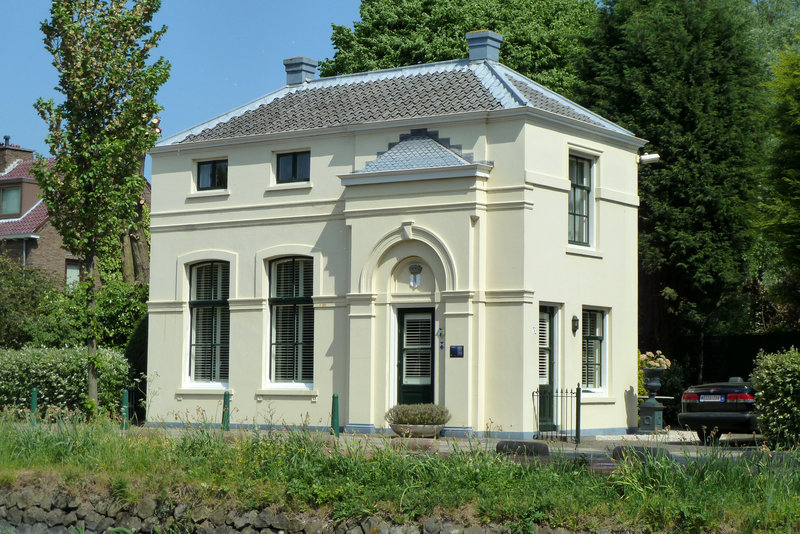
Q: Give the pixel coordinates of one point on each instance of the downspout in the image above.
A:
(24, 254)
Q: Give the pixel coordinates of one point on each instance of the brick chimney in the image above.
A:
(299, 70)
(484, 44)
(10, 153)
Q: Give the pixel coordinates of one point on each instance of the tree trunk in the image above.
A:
(91, 338)
(136, 252)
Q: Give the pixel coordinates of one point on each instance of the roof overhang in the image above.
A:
(476, 170)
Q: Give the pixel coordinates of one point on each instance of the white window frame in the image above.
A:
(206, 384)
(590, 202)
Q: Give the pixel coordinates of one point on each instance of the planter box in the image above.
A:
(417, 431)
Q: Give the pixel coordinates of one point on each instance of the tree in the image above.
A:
(685, 75)
(102, 128)
(782, 207)
(541, 37)
(22, 291)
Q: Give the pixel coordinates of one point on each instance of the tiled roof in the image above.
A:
(416, 91)
(27, 223)
(418, 150)
(22, 169)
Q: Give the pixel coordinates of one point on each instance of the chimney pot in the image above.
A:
(7, 139)
(299, 70)
(484, 44)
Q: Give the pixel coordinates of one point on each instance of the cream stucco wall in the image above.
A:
(493, 247)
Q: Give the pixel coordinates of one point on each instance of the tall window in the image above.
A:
(580, 177)
(294, 167)
(592, 360)
(10, 201)
(292, 313)
(212, 175)
(211, 324)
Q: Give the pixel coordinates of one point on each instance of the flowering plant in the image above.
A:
(648, 360)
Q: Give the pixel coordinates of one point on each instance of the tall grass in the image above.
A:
(301, 471)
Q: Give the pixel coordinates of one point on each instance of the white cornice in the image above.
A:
(478, 170)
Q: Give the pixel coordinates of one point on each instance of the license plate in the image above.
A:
(712, 398)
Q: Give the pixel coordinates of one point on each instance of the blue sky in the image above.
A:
(223, 54)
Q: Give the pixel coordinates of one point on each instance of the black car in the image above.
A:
(719, 408)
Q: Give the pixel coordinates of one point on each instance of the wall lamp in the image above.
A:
(576, 323)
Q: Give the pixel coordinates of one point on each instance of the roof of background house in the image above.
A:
(417, 91)
(27, 223)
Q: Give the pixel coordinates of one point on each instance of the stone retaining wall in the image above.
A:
(38, 511)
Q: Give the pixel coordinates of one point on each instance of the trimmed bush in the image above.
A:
(60, 377)
(776, 379)
(417, 414)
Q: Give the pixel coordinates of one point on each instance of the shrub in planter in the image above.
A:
(59, 375)
(776, 378)
(417, 414)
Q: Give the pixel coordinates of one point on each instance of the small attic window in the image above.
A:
(10, 201)
(294, 167)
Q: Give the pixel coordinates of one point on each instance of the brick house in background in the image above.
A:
(25, 229)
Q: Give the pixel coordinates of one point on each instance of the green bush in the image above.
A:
(776, 379)
(60, 377)
(417, 414)
(22, 291)
(63, 321)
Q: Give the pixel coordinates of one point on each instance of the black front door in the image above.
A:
(415, 356)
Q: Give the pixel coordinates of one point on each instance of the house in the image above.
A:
(449, 232)
(25, 229)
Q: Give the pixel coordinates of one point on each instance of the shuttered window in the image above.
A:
(592, 334)
(417, 349)
(580, 177)
(545, 343)
(211, 325)
(292, 313)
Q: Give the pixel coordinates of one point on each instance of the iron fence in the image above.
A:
(557, 414)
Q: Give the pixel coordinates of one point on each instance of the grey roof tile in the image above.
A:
(415, 152)
(410, 92)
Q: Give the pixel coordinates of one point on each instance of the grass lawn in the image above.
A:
(300, 472)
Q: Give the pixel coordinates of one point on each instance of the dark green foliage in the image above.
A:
(22, 291)
(776, 379)
(541, 37)
(63, 317)
(60, 377)
(417, 414)
(686, 75)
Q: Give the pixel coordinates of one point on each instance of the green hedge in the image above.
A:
(60, 377)
(417, 414)
(776, 379)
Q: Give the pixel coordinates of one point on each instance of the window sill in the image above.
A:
(211, 193)
(597, 398)
(202, 391)
(577, 250)
(288, 186)
(287, 392)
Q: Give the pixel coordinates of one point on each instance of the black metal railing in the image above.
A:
(557, 414)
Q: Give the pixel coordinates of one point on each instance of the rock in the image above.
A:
(217, 516)
(101, 507)
(146, 507)
(105, 524)
(315, 527)
(34, 514)
(14, 515)
(473, 529)
(295, 525)
(70, 519)
(3, 512)
(431, 526)
(83, 509)
(264, 519)
(281, 521)
(450, 528)
(130, 522)
(45, 502)
(199, 514)
(60, 500)
(92, 519)
(522, 448)
(94, 498)
(205, 528)
(370, 523)
(73, 502)
(115, 507)
(245, 520)
(355, 530)
(250, 530)
(179, 512)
